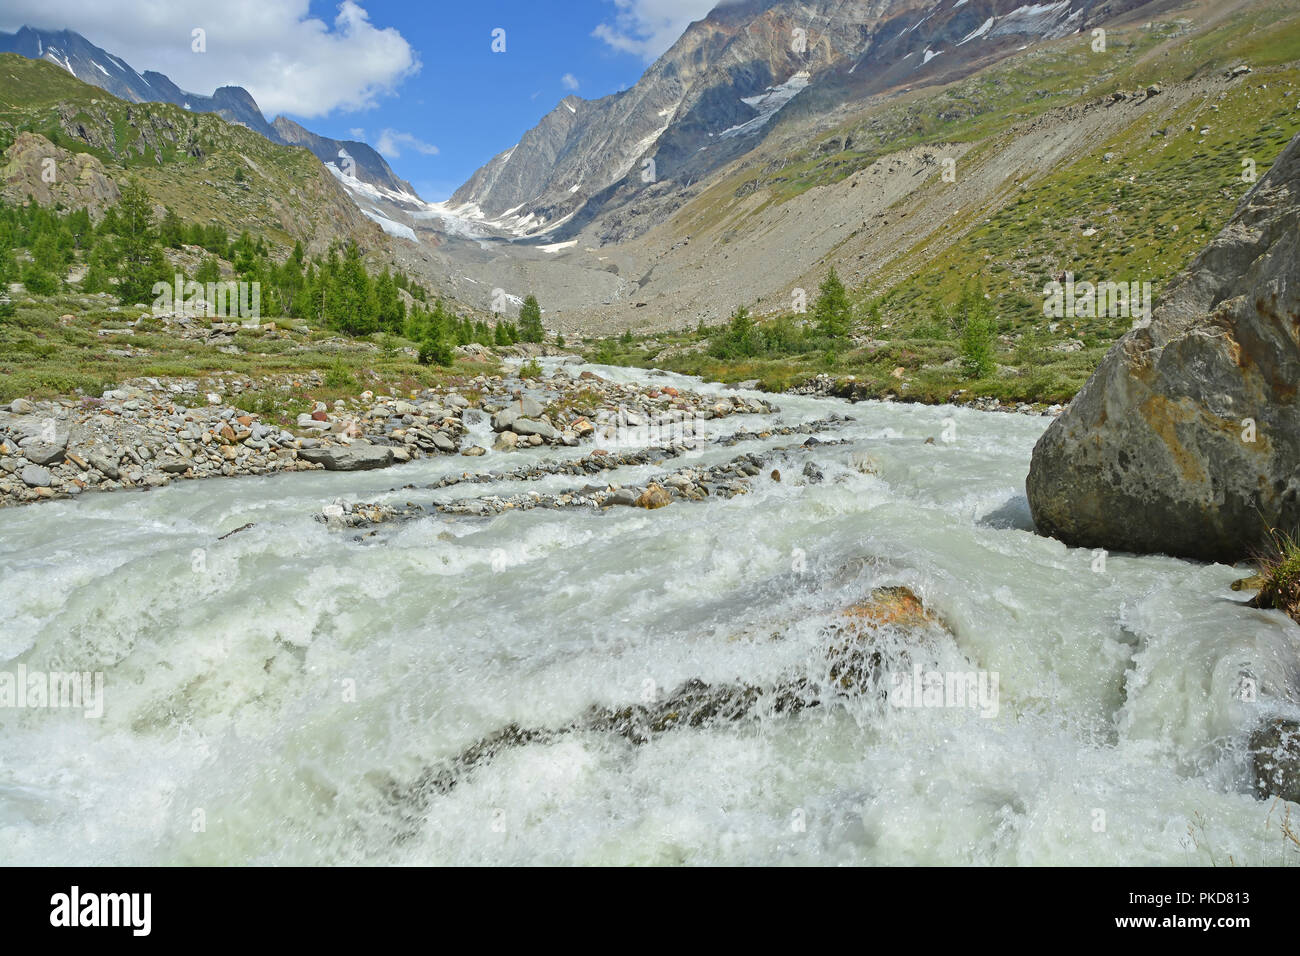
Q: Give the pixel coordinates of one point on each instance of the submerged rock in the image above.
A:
(854, 669)
(1186, 440)
(898, 606)
(1275, 759)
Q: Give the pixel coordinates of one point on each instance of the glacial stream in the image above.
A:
(276, 697)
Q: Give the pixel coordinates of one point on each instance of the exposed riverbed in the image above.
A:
(273, 697)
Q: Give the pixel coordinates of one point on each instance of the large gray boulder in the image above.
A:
(34, 476)
(527, 426)
(1186, 440)
(44, 452)
(349, 457)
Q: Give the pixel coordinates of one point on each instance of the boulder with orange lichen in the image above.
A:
(1186, 440)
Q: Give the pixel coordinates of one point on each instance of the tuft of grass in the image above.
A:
(1279, 576)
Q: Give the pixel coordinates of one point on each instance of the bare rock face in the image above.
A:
(33, 166)
(1186, 440)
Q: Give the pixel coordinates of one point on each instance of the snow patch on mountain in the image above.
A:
(769, 103)
(978, 31)
(559, 246)
(53, 54)
(917, 24)
(372, 191)
(468, 221)
(390, 227)
(1048, 20)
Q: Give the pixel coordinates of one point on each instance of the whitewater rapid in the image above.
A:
(267, 695)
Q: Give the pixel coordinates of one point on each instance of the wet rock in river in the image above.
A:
(1275, 759)
(349, 457)
(655, 496)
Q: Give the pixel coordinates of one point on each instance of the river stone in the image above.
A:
(443, 443)
(526, 426)
(349, 457)
(104, 464)
(34, 476)
(655, 496)
(1275, 759)
(505, 418)
(622, 496)
(1186, 439)
(20, 406)
(44, 452)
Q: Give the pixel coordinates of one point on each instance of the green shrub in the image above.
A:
(1279, 576)
(37, 281)
(975, 325)
(740, 339)
(435, 350)
(339, 376)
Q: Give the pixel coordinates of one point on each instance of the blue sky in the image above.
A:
(416, 79)
(471, 103)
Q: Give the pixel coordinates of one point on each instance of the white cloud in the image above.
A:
(391, 143)
(647, 28)
(357, 132)
(289, 60)
(569, 81)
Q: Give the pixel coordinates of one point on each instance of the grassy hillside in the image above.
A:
(1135, 206)
(205, 168)
(82, 345)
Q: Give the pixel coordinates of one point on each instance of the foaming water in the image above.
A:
(284, 695)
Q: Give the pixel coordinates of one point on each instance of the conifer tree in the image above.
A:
(530, 320)
(832, 312)
(139, 258)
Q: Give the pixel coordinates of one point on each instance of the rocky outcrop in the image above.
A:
(1186, 440)
(35, 168)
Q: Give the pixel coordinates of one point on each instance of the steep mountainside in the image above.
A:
(365, 164)
(723, 86)
(98, 67)
(1010, 168)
